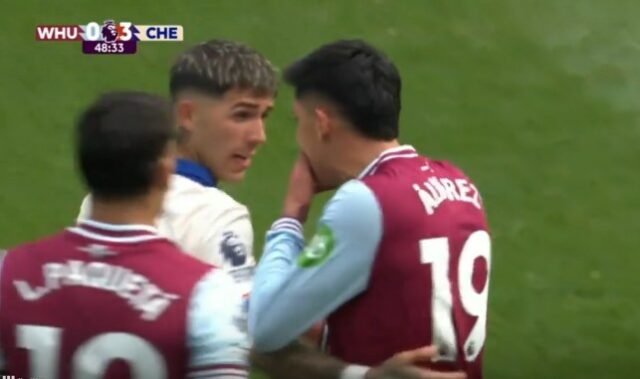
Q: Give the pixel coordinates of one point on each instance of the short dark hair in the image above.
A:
(216, 66)
(359, 79)
(119, 140)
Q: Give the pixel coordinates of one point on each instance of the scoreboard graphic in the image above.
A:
(110, 37)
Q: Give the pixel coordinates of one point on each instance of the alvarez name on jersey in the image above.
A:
(401, 259)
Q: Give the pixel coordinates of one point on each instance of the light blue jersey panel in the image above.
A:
(217, 332)
(296, 285)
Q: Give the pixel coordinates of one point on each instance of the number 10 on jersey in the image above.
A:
(436, 252)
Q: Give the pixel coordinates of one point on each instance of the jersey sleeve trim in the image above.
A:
(288, 224)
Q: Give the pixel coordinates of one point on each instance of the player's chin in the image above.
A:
(234, 176)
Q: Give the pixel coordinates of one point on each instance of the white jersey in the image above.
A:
(208, 224)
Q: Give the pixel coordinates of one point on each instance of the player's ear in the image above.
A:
(323, 123)
(185, 113)
(166, 166)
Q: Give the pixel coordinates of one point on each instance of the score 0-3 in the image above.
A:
(109, 38)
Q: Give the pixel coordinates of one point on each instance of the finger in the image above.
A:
(426, 354)
(423, 354)
(428, 374)
(408, 372)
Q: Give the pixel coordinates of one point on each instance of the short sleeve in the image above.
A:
(217, 333)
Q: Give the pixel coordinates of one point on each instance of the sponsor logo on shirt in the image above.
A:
(319, 249)
(97, 251)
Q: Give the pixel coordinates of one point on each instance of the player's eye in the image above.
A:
(243, 115)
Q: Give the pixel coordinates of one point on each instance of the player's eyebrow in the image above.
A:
(246, 104)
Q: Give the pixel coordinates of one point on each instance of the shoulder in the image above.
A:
(353, 191)
(215, 280)
(447, 166)
(448, 170)
(176, 257)
(353, 202)
(170, 267)
(356, 192)
(216, 301)
(27, 252)
(217, 332)
(41, 244)
(186, 196)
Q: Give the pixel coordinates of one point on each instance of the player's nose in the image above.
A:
(258, 134)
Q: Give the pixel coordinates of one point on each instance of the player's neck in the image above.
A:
(185, 152)
(124, 212)
(362, 153)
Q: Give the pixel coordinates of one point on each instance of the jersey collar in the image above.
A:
(196, 172)
(100, 231)
(404, 151)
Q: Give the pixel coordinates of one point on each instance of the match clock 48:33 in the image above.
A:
(100, 47)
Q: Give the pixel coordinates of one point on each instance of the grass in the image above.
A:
(536, 100)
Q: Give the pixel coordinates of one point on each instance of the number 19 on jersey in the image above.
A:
(436, 253)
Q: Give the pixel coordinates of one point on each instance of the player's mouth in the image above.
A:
(243, 160)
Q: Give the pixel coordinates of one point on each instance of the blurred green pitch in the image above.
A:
(537, 100)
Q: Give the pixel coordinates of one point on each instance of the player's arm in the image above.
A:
(217, 338)
(229, 244)
(297, 285)
(299, 361)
